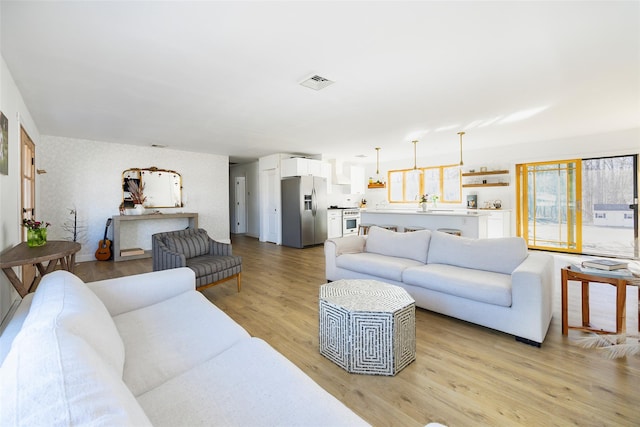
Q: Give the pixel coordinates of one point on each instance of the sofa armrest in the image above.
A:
(347, 245)
(532, 288)
(333, 248)
(164, 258)
(219, 248)
(129, 293)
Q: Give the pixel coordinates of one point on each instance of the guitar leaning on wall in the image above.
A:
(104, 247)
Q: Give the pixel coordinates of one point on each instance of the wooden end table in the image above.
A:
(55, 251)
(620, 283)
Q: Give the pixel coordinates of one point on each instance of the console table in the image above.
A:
(54, 251)
(117, 223)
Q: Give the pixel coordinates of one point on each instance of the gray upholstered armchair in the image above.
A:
(212, 261)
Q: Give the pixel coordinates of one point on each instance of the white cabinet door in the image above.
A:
(293, 167)
(326, 173)
(357, 180)
(499, 224)
(300, 167)
(334, 223)
(314, 167)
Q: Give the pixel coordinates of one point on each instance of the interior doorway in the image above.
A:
(27, 191)
(240, 206)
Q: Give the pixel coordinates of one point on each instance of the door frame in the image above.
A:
(27, 180)
(573, 204)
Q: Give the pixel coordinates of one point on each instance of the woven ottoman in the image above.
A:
(367, 327)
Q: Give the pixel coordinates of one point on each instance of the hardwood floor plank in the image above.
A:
(463, 375)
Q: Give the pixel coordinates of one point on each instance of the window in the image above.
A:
(406, 186)
(584, 206)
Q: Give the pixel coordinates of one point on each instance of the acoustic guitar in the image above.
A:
(104, 247)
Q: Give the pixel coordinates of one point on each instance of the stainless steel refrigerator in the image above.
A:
(304, 211)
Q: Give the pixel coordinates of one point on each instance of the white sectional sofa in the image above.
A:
(495, 283)
(147, 350)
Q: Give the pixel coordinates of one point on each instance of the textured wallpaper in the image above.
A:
(85, 176)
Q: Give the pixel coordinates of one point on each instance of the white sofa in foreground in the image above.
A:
(495, 283)
(147, 350)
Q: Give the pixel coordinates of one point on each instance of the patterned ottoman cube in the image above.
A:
(367, 327)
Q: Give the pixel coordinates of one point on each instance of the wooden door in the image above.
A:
(549, 205)
(28, 191)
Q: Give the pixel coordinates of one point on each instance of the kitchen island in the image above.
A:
(472, 223)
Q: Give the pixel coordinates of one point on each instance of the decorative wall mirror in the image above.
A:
(161, 187)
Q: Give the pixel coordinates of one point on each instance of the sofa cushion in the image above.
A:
(383, 266)
(501, 255)
(250, 384)
(189, 246)
(483, 286)
(402, 245)
(63, 301)
(168, 338)
(54, 377)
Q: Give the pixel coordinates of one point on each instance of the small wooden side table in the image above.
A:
(54, 251)
(620, 283)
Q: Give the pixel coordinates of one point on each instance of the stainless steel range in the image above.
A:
(350, 221)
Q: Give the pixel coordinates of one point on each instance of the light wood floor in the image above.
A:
(464, 375)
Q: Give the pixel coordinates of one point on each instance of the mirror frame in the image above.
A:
(126, 174)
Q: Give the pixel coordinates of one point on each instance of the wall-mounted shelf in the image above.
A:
(499, 172)
(374, 185)
(486, 184)
(489, 184)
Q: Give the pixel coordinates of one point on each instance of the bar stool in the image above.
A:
(365, 228)
(452, 231)
(410, 228)
(389, 227)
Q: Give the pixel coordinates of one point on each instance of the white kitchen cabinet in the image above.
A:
(334, 223)
(300, 167)
(357, 180)
(499, 224)
(326, 172)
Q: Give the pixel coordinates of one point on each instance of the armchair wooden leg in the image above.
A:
(237, 276)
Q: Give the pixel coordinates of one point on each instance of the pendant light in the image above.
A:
(461, 133)
(415, 157)
(378, 183)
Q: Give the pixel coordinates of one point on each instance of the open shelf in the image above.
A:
(499, 172)
(489, 184)
(374, 185)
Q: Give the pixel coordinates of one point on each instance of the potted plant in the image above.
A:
(137, 196)
(424, 199)
(36, 232)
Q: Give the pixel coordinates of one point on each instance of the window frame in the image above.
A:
(441, 175)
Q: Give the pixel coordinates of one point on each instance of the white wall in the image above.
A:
(13, 107)
(250, 172)
(87, 175)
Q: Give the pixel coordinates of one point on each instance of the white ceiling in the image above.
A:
(223, 77)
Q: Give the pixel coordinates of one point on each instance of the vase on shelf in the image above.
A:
(136, 210)
(36, 237)
(423, 205)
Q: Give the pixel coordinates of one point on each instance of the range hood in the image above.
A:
(341, 172)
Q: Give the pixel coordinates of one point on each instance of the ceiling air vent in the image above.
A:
(316, 82)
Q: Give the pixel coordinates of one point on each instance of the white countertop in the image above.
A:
(439, 212)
